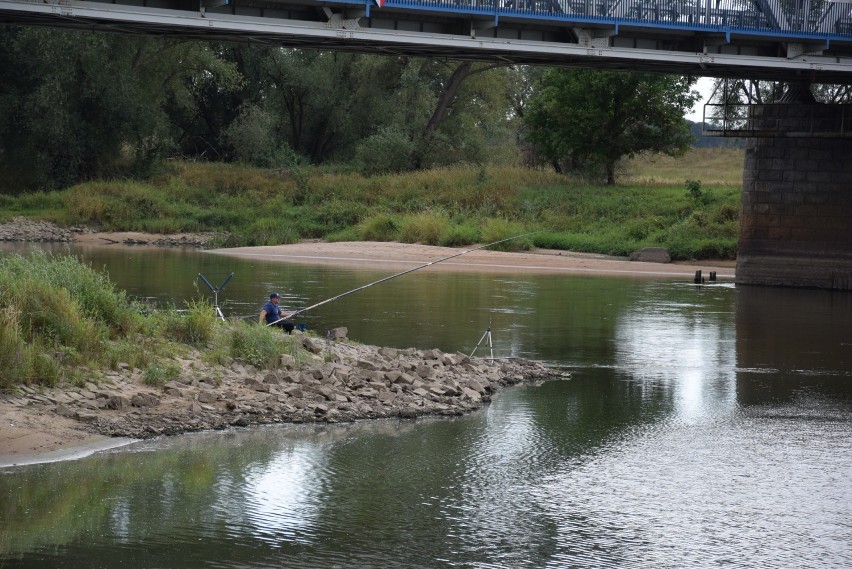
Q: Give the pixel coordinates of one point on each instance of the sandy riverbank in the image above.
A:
(400, 256)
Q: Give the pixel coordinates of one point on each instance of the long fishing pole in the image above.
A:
(429, 264)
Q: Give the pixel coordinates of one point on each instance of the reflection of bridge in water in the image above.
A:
(797, 201)
(773, 39)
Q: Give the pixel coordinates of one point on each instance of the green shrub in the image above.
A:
(389, 150)
(428, 228)
(252, 136)
(378, 227)
(257, 345)
(499, 229)
(161, 372)
(56, 310)
(347, 234)
(196, 325)
(458, 235)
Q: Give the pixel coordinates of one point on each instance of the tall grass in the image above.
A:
(56, 311)
(442, 206)
(59, 317)
(260, 346)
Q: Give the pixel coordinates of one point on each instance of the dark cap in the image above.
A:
(274, 295)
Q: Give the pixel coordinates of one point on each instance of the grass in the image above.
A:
(60, 320)
(652, 206)
(715, 166)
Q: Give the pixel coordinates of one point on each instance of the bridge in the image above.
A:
(795, 227)
(785, 40)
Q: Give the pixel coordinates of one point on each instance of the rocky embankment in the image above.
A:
(24, 229)
(340, 382)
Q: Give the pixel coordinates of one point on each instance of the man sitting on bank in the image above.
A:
(271, 314)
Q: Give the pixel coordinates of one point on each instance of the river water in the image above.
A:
(703, 426)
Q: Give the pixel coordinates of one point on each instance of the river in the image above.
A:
(703, 426)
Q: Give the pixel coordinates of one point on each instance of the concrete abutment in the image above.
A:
(796, 216)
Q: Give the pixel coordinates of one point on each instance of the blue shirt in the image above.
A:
(273, 312)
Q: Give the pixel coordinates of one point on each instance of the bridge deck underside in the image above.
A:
(753, 39)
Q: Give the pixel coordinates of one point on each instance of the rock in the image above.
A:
(651, 255)
(406, 379)
(288, 361)
(272, 379)
(294, 391)
(195, 408)
(252, 383)
(144, 400)
(326, 392)
(339, 333)
(311, 345)
(367, 365)
(84, 417)
(386, 396)
(389, 353)
(65, 411)
(207, 397)
(471, 394)
(433, 355)
(173, 391)
(117, 402)
(425, 371)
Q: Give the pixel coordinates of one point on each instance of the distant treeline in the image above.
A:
(77, 107)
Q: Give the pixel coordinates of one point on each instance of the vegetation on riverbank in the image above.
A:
(654, 206)
(62, 320)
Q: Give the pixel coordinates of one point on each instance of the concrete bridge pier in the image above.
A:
(796, 217)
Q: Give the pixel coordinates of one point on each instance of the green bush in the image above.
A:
(260, 346)
(427, 228)
(378, 227)
(252, 136)
(458, 235)
(56, 310)
(499, 229)
(195, 326)
(387, 151)
(161, 372)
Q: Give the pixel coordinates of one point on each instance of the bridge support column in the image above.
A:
(796, 217)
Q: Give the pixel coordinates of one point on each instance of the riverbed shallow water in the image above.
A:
(702, 426)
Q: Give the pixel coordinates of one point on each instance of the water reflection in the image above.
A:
(679, 338)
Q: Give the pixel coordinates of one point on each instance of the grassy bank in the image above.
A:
(61, 320)
(654, 206)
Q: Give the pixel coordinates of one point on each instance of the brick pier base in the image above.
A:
(796, 217)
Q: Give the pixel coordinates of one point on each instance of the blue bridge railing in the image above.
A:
(800, 19)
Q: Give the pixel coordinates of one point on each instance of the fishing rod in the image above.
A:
(429, 264)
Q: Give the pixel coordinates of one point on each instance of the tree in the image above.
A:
(75, 106)
(591, 119)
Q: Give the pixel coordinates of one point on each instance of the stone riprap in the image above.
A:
(23, 229)
(341, 381)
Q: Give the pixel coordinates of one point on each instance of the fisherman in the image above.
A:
(272, 315)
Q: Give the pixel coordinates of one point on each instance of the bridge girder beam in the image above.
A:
(514, 40)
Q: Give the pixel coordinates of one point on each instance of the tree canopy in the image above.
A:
(76, 106)
(588, 119)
